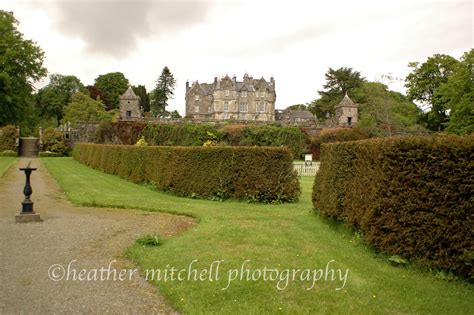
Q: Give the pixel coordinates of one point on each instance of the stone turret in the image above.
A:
(130, 106)
(346, 112)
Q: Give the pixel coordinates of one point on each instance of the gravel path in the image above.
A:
(92, 236)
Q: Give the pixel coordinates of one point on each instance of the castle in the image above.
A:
(226, 98)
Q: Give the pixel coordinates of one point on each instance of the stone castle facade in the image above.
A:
(226, 98)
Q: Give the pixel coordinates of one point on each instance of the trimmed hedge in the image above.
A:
(336, 135)
(256, 174)
(409, 196)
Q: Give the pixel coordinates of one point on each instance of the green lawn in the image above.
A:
(5, 163)
(288, 236)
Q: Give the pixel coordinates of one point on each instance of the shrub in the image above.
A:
(8, 153)
(335, 135)
(255, 174)
(53, 141)
(119, 133)
(7, 138)
(267, 135)
(182, 135)
(409, 196)
(189, 134)
(141, 142)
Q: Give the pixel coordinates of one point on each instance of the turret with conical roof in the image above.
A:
(347, 112)
(130, 106)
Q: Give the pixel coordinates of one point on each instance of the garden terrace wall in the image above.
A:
(187, 134)
(260, 174)
(410, 196)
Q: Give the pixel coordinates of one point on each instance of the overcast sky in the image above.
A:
(294, 41)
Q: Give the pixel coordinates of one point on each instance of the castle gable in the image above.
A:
(261, 84)
(227, 83)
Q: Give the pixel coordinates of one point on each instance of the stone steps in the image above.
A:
(29, 147)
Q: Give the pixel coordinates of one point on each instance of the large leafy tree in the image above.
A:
(422, 84)
(53, 98)
(112, 86)
(140, 91)
(96, 94)
(382, 110)
(338, 83)
(83, 108)
(21, 64)
(457, 95)
(163, 91)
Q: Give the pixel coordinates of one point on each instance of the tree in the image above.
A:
(298, 107)
(140, 91)
(422, 84)
(96, 94)
(383, 110)
(457, 94)
(83, 108)
(174, 115)
(21, 64)
(52, 99)
(164, 90)
(112, 85)
(338, 83)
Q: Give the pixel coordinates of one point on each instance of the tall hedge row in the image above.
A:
(250, 173)
(410, 196)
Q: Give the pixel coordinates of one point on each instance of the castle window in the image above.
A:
(226, 92)
(243, 93)
(128, 102)
(263, 93)
(196, 109)
(243, 107)
(349, 121)
(128, 113)
(261, 107)
(196, 97)
(226, 106)
(226, 116)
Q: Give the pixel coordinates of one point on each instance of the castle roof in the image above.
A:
(249, 84)
(346, 102)
(129, 95)
(298, 113)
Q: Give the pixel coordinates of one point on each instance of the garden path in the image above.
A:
(92, 236)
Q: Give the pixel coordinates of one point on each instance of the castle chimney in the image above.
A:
(187, 86)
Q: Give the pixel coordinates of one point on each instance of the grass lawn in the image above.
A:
(288, 236)
(5, 163)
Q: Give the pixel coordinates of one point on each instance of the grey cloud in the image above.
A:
(113, 27)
